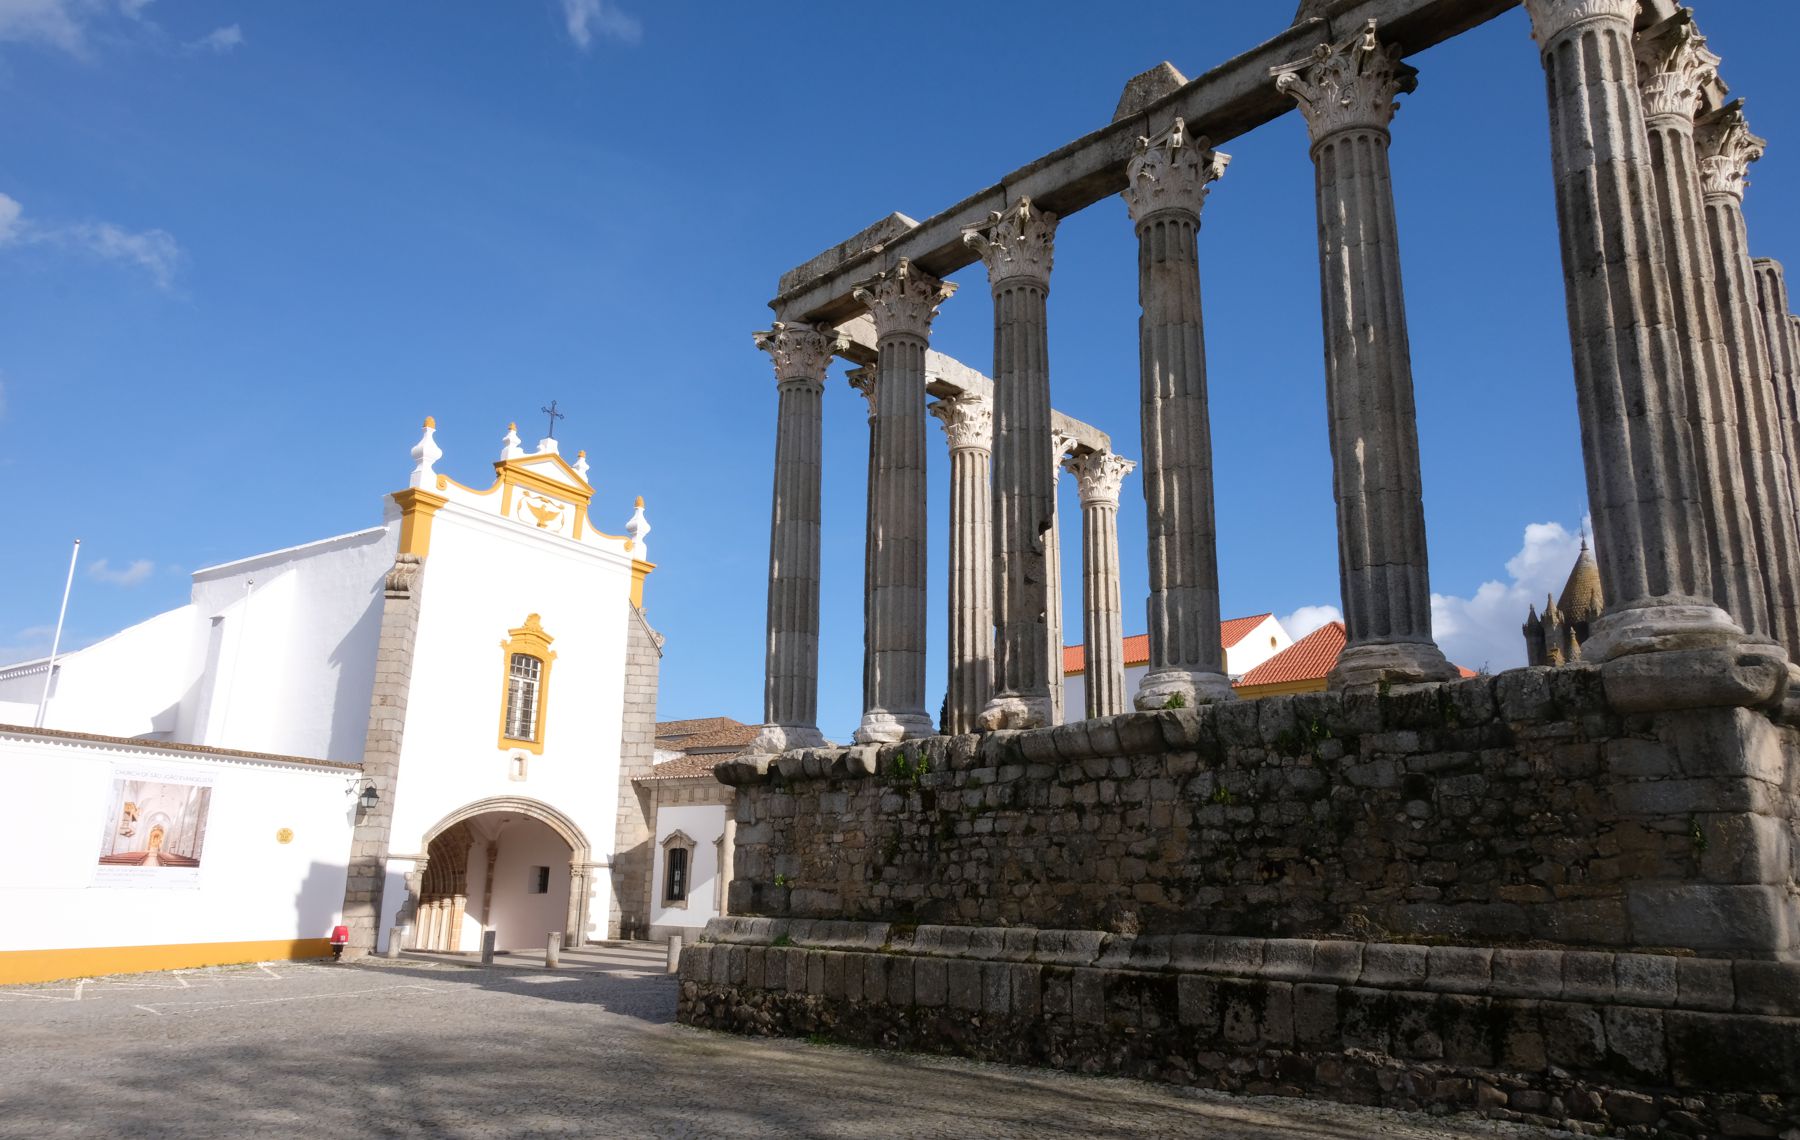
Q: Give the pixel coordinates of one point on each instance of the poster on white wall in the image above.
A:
(155, 828)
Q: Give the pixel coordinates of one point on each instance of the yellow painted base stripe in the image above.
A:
(18, 967)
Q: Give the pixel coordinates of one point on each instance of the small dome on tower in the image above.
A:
(1581, 599)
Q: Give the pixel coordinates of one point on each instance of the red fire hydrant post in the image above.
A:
(340, 938)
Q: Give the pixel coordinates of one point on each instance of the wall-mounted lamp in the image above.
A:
(366, 795)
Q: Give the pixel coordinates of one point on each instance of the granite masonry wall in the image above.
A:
(1502, 894)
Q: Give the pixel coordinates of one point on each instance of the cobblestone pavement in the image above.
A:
(425, 1048)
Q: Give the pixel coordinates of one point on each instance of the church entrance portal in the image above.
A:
(509, 871)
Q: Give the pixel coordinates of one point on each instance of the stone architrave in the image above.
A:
(902, 302)
(801, 355)
(1168, 181)
(1017, 246)
(1636, 428)
(1346, 91)
(1784, 361)
(1053, 610)
(969, 428)
(1099, 474)
(1674, 71)
(1727, 148)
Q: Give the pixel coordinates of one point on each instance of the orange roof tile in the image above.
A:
(685, 768)
(1308, 659)
(1137, 648)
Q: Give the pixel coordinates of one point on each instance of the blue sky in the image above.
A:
(245, 248)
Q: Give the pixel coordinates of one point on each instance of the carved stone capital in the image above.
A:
(1099, 475)
(1173, 171)
(864, 380)
(1551, 18)
(1060, 445)
(1015, 242)
(1727, 148)
(1674, 67)
(800, 352)
(968, 421)
(1348, 85)
(903, 300)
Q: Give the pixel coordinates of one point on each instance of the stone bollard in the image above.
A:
(553, 950)
(393, 946)
(487, 946)
(674, 953)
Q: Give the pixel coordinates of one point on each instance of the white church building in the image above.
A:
(432, 725)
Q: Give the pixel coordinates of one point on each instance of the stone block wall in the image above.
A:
(1518, 810)
(633, 829)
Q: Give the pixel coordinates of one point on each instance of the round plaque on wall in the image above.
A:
(285, 835)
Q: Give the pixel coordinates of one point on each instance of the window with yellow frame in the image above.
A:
(525, 657)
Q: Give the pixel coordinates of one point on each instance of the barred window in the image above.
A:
(523, 679)
(675, 888)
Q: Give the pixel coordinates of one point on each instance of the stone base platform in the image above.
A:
(1595, 1042)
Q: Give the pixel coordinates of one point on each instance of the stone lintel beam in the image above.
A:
(1230, 100)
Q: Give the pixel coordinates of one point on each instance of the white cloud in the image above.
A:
(220, 40)
(28, 644)
(1308, 618)
(590, 18)
(140, 569)
(154, 251)
(1482, 631)
(54, 23)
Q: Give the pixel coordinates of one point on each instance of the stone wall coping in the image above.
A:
(1663, 981)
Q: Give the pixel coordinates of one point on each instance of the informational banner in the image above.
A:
(155, 830)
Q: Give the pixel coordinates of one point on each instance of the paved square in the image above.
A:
(426, 1048)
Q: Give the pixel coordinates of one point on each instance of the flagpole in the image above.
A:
(56, 639)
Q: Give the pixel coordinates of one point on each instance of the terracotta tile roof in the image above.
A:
(686, 768)
(1308, 659)
(1137, 648)
(713, 734)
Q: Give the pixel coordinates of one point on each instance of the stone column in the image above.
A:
(1726, 149)
(1637, 441)
(1674, 71)
(1099, 473)
(1053, 609)
(1168, 182)
(1017, 245)
(791, 678)
(1346, 91)
(864, 380)
(1784, 362)
(902, 303)
(969, 427)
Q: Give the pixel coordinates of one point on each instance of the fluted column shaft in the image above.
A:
(1016, 246)
(1784, 361)
(865, 380)
(1727, 148)
(791, 677)
(969, 426)
(1099, 475)
(1346, 91)
(1636, 430)
(1168, 183)
(902, 303)
(1053, 606)
(1673, 68)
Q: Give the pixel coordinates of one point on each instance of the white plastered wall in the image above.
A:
(704, 824)
(250, 886)
(131, 684)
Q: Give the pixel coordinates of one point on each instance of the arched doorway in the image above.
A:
(515, 866)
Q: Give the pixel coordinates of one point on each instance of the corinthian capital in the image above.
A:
(1348, 85)
(800, 352)
(1727, 148)
(1674, 67)
(1099, 474)
(1172, 171)
(1551, 18)
(863, 380)
(968, 421)
(1015, 242)
(903, 300)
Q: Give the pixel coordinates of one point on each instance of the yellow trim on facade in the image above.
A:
(639, 571)
(22, 967)
(1281, 689)
(416, 510)
(531, 640)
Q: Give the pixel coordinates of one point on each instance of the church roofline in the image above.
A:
(227, 568)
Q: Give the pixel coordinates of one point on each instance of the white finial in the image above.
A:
(637, 528)
(425, 453)
(509, 447)
(581, 465)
